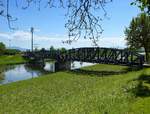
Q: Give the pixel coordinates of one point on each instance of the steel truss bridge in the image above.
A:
(90, 54)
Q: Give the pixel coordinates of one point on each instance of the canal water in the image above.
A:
(13, 73)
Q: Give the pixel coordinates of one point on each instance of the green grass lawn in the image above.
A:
(14, 59)
(80, 93)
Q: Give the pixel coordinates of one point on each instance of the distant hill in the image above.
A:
(18, 48)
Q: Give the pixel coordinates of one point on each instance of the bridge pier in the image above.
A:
(36, 62)
(62, 65)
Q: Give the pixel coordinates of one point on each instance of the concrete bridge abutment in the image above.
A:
(65, 65)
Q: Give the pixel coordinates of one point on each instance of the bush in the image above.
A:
(11, 52)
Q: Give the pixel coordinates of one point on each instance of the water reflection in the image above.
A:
(76, 64)
(13, 73)
(49, 67)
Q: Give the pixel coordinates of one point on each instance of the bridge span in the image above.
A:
(90, 54)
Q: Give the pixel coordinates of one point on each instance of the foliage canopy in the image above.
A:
(138, 33)
(143, 5)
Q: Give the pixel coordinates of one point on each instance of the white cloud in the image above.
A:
(110, 42)
(21, 35)
(23, 38)
(113, 42)
(4, 35)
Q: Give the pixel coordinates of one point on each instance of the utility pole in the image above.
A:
(32, 30)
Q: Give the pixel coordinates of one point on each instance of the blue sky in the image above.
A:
(50, 30)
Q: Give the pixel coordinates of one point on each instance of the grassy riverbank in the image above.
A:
(14, 59)
(110, 90)
(1, 77)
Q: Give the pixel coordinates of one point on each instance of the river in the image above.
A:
(13, 73)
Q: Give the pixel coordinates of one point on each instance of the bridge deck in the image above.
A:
(93, 55)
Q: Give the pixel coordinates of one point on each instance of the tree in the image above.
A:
(62, 50)
(2, 48)
(138, 34)
(143, 5)
(52, 49)
(83, 21)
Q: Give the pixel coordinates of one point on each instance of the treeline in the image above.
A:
(6, 51)
(52, 49)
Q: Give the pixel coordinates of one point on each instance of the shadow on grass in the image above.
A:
(143, 87)
(103, 72)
